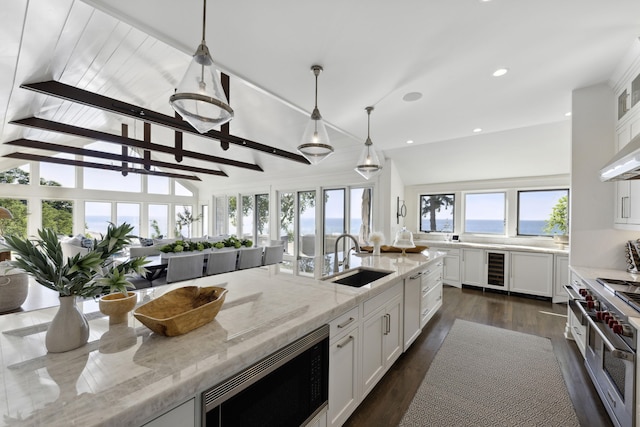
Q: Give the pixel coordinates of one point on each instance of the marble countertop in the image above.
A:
(496, 246)
(127, 375)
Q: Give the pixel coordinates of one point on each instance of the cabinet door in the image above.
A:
(412, 328)
(343, 380)
(634, 186)
(451, 274)
(372, 350)
(392, 337)
(560, 278)
(473, 267)
(532, 273)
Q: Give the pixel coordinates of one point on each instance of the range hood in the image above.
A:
(625, 164)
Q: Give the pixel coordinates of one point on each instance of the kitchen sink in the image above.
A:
(357, 277)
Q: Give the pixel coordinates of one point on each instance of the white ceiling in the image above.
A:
(373, 52)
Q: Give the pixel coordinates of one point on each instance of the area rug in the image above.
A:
(487, 376)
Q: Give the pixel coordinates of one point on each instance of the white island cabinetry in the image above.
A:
(344, 364)
(382, 333)
(412, 299)
(532, 273)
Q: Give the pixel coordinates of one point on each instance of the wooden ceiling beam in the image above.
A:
(74, 94)
(37, 123)
(124, 158)
(83, 164)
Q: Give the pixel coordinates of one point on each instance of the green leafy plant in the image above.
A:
(189, 246)
(89, 275)
(558, 222)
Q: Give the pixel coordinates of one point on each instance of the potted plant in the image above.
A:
(558, 222)
(90, 275)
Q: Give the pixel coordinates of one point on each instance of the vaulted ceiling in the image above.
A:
(373, 52)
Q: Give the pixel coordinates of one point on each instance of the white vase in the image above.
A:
(69, 328)
(376, 249)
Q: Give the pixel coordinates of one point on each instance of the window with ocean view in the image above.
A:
(485, 213)
(535, 208)
(436, 213)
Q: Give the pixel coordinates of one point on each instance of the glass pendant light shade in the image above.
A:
(199, 97)
(368, 163)
(315, 145)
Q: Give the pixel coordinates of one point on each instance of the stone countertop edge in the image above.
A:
(127, 375)
(496, 246)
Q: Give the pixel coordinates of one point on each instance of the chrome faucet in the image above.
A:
(345, 262)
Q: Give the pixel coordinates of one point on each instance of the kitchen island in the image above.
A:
(127, 375)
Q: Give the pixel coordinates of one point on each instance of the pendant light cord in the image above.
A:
(316, 74)
(204, 18)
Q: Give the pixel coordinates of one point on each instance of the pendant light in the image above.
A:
(368, 164)
(199, 97)
(315, 144)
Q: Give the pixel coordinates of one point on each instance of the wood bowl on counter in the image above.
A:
(181, 310)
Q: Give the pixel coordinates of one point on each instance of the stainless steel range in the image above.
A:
(605, 306)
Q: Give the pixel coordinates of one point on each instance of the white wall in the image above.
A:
(593, 240)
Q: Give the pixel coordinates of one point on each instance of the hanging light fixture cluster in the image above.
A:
(315, 144)
(199, 97)
(368, 163)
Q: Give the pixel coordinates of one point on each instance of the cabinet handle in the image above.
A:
(577, 330)
(439, 264)
(439, 298)
(387, 324)
(424, 313)
(625, 209)
(426, 290)
(342, 325)
(345, 342)
(416, 276)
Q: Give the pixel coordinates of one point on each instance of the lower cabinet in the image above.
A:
(382, 333)
(412, 300)
(431, 296)
(532, 273)
(561, 278)
(451, 266)
(344, 365)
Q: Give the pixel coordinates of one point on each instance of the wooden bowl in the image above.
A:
(181, 310)
(117, 305)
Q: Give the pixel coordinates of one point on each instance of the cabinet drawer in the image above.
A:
(372, 304)
(432, 278)
(341, 324)
(431, 302)
(449, 251)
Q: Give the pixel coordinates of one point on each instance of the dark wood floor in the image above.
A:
(387, 403)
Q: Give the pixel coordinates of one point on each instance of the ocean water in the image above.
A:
(97, 224)
(487, 226)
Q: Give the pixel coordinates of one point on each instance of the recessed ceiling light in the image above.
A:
(412, 96)
(568, 114)
(410, 141)
(476, 130)
(500, 72)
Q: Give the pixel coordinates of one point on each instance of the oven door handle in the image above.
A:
(615, 352)
(571, 292)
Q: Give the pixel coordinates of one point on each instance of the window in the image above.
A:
(97, 216)
(220, 215)
(247, 217)
(129, 213)
(17, 225)
(58, 216)
(262, 219)
(64, 175)
(436, 213)
(158, 221)
(157, 184)
(535, 208)
(232, 210)
(184, 221)
(361, 215)
(100, 179)
(19, 175)
(484, 213)
(205, 220)
(287, 214)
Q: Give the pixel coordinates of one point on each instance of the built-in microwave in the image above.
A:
(288, 388)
